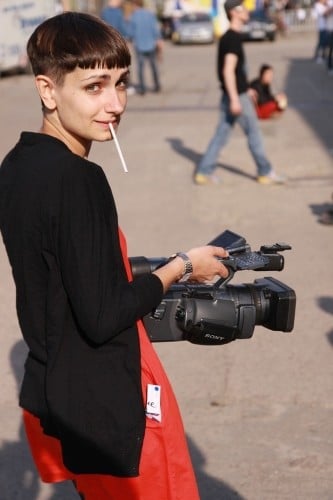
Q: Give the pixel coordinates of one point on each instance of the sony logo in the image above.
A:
(212, 336)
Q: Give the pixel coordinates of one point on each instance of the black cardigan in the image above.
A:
(76, 309)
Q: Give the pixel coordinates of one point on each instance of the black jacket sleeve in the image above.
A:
(103, 302)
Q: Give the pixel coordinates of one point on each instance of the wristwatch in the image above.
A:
(188, 268)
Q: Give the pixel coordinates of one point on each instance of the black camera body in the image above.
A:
(220, 313)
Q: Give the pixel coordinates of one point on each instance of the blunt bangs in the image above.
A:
(70, 40)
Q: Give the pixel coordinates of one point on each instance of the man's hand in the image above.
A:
(235, 106)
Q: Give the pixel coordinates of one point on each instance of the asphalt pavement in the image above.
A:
(258, 413)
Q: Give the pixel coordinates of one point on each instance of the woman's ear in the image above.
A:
(45, 87)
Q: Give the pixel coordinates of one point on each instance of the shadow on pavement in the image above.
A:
(320, 210)
(178, 146)
(18, 475)
(309, 90)
(326, 304)
(210, 488)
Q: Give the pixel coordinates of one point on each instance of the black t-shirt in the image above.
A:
(231, 43)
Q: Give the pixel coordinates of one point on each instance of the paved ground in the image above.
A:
(258, 413)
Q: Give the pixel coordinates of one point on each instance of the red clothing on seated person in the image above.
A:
(266, 110)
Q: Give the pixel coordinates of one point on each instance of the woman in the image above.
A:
(267, 104)
(90, 364)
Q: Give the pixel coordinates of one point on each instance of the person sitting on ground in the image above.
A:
(267, 103)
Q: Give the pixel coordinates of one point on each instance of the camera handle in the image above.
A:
(223, 281)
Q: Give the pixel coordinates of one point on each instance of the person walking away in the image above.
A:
(145, 34)
(266, 103)
(236, 104)
(329, 25)
(113, 15)
(318, 12)
(98, 407)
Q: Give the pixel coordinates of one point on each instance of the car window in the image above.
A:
(258, 16)
(198, 17)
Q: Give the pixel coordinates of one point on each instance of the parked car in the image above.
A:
(259, 27)
(193, 27)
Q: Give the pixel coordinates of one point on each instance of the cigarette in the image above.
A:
(118, 147)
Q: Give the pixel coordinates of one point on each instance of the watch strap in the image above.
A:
(188, 268)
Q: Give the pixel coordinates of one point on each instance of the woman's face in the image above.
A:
(267, 76)
(86, 102)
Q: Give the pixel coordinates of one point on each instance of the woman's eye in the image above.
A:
(93, 88)
(123, 84)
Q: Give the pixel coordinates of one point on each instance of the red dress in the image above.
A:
(166, 471)
(266, 110)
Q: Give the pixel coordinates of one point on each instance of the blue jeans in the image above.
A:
(151, 58)
(321, 47)
(249, 122)
(330, 50)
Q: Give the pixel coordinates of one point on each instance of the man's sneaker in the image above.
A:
(271, 178)
(203, 180)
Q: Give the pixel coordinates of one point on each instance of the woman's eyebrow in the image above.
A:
(105, 76)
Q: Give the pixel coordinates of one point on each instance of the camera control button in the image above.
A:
(159, 311)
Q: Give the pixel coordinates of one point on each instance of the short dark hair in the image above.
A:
(74, 39)
(263, 68)
(229, 5)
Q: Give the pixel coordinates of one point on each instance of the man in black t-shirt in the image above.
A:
(236, 103)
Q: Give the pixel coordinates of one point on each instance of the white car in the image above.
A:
(193, 27)
(259, 27)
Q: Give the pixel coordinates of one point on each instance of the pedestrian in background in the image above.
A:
(98, 407)
(236, 103)
(318, 11)
(329, 26)
(145, 34)
(113, 15)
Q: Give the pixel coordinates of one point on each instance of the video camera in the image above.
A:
(219, 313)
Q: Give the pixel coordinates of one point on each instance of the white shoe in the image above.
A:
(271, 178)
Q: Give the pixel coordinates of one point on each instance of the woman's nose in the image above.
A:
(115, 101)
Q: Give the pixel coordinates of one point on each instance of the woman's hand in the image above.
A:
(205, 263)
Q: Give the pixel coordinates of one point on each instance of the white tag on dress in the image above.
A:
(153, 406)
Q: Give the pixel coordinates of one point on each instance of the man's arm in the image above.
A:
(229, 77)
